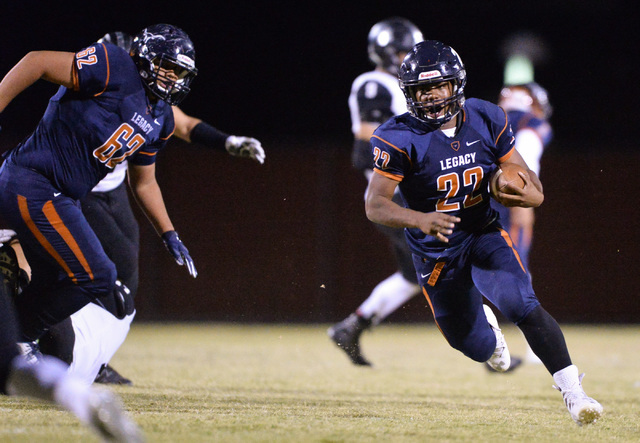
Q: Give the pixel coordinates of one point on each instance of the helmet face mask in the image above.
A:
(389, 39)
(165, 59)
(429, 64)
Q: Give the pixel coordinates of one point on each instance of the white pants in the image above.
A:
(98, 335)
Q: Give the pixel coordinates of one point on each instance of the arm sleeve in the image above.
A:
(207, 135)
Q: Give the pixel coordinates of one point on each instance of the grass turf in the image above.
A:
(289, 383)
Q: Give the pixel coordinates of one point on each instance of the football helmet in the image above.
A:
(527, 97)
(432, 62)
(165, 58)
(388, 38)
(118, 38)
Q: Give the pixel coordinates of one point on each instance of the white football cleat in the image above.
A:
(108, 419)
(583, 409)
(501, 358)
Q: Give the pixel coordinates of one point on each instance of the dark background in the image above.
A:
(288, 241)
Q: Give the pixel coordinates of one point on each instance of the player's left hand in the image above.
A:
(528, 196)
(245, 147)
(179, 251)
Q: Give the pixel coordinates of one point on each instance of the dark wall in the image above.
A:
(289, 241)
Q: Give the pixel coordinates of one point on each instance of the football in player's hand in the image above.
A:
(505, 175)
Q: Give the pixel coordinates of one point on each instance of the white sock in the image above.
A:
(567, 379)
(49, 380)
(388, 296)
(73, 395)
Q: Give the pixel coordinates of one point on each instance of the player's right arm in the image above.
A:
(53, 66)
(381, 209)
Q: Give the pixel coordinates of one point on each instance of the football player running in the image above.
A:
(102, 115)
(109, 213)
(440, 155)
(375, 96)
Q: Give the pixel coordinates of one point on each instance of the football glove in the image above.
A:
(245, 147)
(6, 235)
(179, 251)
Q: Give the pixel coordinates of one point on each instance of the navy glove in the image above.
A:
(179, 251)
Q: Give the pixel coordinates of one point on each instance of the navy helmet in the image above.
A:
(118, 38)
(166, 61)
(390, 37)
(432, 62)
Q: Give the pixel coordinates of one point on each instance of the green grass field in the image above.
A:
(289, 383)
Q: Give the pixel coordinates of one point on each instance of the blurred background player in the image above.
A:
(529, 110)
(108, 210)
(111, 106)
(375, 97)
(48, 379)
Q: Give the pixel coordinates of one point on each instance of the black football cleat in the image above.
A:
(109, 376)
(346, 334)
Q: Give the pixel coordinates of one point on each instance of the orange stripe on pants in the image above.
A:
(24, 212)
(57, 223)
(424, 291)
(506, 237)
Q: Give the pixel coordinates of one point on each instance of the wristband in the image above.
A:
(209, 136)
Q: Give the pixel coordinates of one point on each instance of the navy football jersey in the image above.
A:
(105, 119)
(439, 173)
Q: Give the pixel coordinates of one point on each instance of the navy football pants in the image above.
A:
(487, 261)
(69, 266)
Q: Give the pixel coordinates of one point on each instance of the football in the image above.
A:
(504, 175)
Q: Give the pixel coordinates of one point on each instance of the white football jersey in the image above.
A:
(375, 97)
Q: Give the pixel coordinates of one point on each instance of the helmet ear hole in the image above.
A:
(165, 58)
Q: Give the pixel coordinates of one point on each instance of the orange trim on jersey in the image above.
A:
(394, 177)
(74, 75)
(426, 295)
(169, 136)
(150, 154)
(435, 273)
(24, 212)
(506, 125)
(506, 237)
(52, 215)
(106, 83)
(394, 147)
(507, 156)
